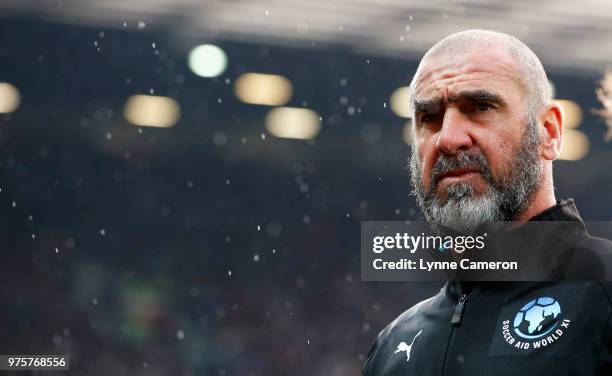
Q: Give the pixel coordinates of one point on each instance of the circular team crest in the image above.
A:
(536, 325)
(537, 318)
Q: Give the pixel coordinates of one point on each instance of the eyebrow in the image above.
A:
(476, 95)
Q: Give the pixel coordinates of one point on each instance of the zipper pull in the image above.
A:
(458, 310)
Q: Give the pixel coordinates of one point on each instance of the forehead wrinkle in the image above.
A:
(452, 87)
(436, 68)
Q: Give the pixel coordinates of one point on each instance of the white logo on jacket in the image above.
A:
(407, 348)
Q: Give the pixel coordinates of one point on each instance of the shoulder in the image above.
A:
(601, 249)
(406, 321)
(407, 317)
(596, 244)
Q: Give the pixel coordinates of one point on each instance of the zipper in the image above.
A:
(455, 321)
(458, 313)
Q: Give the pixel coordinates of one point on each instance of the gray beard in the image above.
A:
(506, 196)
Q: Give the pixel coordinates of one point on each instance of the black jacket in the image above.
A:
(505, 328)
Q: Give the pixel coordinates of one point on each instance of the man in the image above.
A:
(485, 134)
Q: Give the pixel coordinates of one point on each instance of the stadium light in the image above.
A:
(572, 113)
(152, 111)
(575, 145)
(400, 102)
(264, 89)
(290, 122)
(407, 132)
(9, 98)
(207, 60)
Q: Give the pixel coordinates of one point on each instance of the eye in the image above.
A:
(483, 107)
(428, 118)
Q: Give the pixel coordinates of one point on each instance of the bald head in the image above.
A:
(528, 67)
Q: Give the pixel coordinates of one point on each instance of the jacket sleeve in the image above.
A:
(367, 366)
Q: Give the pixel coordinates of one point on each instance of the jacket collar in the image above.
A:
(564, 210)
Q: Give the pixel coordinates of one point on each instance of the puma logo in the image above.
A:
(407, 348)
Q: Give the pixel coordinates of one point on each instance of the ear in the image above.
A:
(552, 121)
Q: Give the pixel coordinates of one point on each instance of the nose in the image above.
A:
(454, 136)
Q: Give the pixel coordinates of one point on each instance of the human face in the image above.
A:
(474, 103)
(475, 153)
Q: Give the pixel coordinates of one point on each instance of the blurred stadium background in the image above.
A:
(182, 182)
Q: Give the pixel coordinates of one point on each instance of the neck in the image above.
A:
(542, 199)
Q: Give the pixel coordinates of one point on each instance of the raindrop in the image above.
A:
(371, 133)
(219, 138)
(57, 339)
(141, 24)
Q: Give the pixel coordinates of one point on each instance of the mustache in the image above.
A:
(447, 163)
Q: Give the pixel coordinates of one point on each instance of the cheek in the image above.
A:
(498, 154)
(427, 155)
